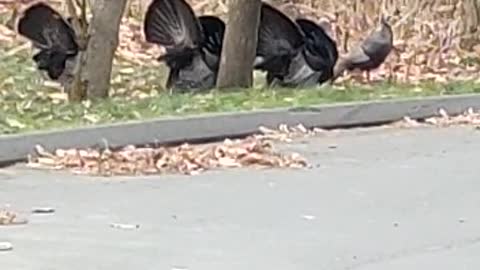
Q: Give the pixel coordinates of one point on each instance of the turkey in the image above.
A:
(293, 53)
(53, 37)
(370, 54)
(193, 44)
(320, 50)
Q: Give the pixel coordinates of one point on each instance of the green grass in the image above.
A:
(27, 105)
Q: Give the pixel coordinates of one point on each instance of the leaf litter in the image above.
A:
(430, 46)
(284, 133)
(11, 218)
(470, 117)
(251, 152)
(256, 151)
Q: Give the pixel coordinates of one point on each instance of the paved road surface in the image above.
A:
(384, 199)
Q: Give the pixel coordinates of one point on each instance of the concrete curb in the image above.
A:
(218, 126)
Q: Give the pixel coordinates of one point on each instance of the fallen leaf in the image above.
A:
(14, 123)
(11, 218)
(185, 159)
(92, 118)
(58, 96)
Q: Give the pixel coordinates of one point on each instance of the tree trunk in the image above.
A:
(102, 44)
(240, 44)
(471, 22)
(471, 19)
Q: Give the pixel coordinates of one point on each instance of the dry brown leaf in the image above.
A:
(443, 119)
(284, 133)
(185, 159)
(10, 218)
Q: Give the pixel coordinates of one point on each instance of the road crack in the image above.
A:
(431, 249)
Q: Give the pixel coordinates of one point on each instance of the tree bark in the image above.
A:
(240, 44)
(101, 47)
(471, 18)
(470, 15)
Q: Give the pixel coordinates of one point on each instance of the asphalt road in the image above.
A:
(382, 199)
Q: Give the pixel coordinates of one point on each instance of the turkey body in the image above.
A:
(294, 54)
(54, 38)
(193, 44)
(371, 53)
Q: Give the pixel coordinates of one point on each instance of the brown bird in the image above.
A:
(370, 54)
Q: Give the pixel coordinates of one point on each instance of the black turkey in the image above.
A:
(370, 54)
(320, 50)
(193, 44)
(55, 39)
(293, 53)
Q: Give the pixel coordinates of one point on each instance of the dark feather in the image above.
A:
(279, 39)
(193, 45)
(213, 32)
(378, 45)
(173, 25)
(320, 50)
(52, 62)
(370, 54)
(52, 34)
(47, 29)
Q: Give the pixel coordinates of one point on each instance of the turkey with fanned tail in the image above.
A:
(293, 53)
(193, 44)
(320, 49)
(55, 39)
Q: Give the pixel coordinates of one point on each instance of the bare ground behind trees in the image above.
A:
(435, 40)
